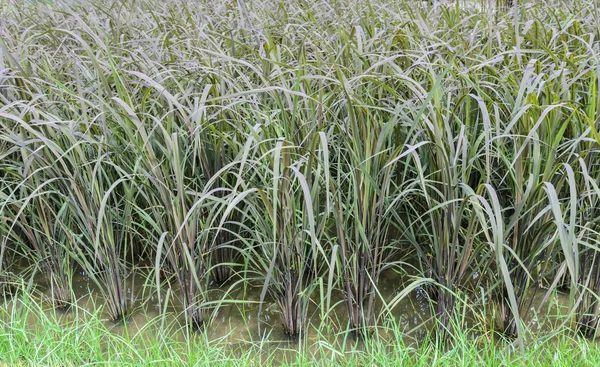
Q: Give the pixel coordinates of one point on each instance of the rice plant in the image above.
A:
(289, 241)
(296, 146)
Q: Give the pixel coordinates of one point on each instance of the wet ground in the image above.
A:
(243, 323)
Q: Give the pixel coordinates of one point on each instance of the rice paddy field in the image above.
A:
(297, 182)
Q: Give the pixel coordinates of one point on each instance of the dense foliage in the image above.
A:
(305, 145)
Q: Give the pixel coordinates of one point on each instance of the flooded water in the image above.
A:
(236, 324)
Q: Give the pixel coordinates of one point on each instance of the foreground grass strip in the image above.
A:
(90, 341)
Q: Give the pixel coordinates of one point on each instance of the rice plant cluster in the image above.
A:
(305, 147)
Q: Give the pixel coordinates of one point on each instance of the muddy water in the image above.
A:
(237, 324)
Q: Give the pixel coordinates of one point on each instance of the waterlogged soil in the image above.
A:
(237, 321)
(243, 324)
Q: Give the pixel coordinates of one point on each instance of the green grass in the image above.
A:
(87, 339)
